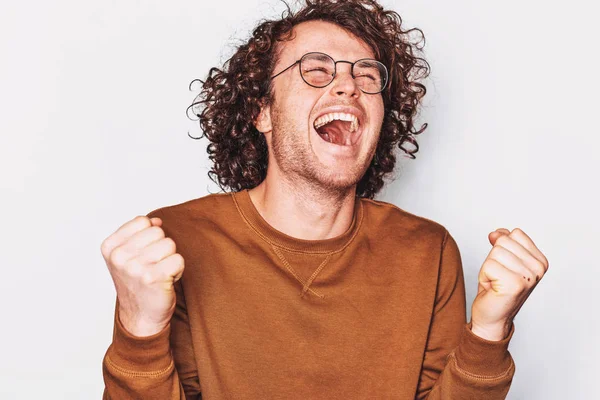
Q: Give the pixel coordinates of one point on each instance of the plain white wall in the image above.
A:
(94, 132)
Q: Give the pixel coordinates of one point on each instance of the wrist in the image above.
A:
(492, 333)
(138, 327)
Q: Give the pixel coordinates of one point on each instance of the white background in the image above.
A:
(94, 132)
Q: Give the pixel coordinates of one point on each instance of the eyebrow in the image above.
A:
(321, 57)
(369, 63)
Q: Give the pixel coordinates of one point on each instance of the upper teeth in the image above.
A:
(327, 118)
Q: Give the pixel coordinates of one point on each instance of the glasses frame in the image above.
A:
(335, 63)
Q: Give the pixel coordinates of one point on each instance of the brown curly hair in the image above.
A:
(230, 98)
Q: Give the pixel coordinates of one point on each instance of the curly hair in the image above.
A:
(230, 98)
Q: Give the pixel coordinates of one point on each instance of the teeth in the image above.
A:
(327, 118)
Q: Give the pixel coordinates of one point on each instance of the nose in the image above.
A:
(344, 84)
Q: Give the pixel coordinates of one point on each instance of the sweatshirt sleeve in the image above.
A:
(459, 364)
(161, 366)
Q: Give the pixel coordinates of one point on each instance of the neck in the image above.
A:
(302, 210)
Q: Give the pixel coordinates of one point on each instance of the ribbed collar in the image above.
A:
(262, 228)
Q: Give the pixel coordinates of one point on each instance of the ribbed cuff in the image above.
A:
(483, 357)
(140, 354)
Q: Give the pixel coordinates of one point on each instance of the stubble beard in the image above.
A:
(300, 166)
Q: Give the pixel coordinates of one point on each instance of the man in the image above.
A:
(297, 284)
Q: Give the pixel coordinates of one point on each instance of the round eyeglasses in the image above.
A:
(318, 70)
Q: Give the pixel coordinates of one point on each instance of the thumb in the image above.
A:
(493, 236)
(155, 221)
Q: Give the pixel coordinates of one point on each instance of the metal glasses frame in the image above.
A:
(335, 63)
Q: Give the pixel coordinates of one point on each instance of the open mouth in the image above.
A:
(341, 129)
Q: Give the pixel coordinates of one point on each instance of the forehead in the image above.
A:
(324, 37)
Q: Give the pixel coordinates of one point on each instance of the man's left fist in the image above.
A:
(509, 274)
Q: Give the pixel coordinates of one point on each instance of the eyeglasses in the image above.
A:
(318, 70)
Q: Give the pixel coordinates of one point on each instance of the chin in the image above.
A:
(338, 181)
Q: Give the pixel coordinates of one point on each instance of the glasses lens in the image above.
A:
(317, 69)
(371, 76)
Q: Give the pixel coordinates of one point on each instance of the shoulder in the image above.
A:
(393, 220)
(202, 208)
(419, 238)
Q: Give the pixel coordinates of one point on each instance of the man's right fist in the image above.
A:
(144, 266)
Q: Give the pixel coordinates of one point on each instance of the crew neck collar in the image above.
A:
(268, 233)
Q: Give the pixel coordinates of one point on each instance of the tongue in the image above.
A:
(337, 132)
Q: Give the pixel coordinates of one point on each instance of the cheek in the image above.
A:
(295, 105)
(380, 108)
(377, 112)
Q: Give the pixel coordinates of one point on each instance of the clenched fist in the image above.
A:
(509, 274)
(144, 266)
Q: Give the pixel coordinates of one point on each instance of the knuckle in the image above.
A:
(105, 248)
(157, 231)
(135, 270)
(119, 257)
(141, 218)
(539, 266)
(178, 259)
(147, 278)
(142, 221)
(545, 263)
(170, 244)
(493, 263)
(503, 240)
(496, 250)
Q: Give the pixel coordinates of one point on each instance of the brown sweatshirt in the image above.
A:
(375, 313)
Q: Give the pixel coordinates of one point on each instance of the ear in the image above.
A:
(263, 121)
